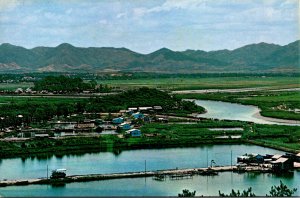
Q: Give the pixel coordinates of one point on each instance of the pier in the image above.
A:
(171, 173)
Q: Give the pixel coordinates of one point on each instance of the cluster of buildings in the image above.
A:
(277, 163)
(126, 122)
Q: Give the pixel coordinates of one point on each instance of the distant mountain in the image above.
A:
(261, 57)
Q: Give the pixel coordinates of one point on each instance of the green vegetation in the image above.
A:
(281, 191)
(194, 82)
(63, 84)
(260, 57)
(43, 109)
(233, 193)
(277, 104)
(142, 97)
(187, 193)
(276, 191)
(160, 135)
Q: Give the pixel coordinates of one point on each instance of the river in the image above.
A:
(134, 160)
(232, 111)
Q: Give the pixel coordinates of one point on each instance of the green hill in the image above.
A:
(261, 57)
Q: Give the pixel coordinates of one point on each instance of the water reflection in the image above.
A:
(119, 160)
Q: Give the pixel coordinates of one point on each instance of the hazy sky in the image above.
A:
(147, 25)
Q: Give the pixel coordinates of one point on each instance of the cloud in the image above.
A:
(122, 15)
(169, 5)
(9, 4)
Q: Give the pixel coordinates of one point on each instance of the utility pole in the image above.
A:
(47, 171)
(231, 160)
(206, 157)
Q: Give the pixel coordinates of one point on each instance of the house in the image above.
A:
(145, 109)
(19, 90)
(132, 110)
(63, 126)
(157, 108)
(282, 164)
(259, 158)
(85, 125)
(134, 132)
(251, 158)
(125, 126)
(138, 115)
(297, 157)
(118, 120)
(243, 159)
(275, 157)
(41, 136)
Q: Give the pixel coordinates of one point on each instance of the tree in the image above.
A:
(245, 193)
(187, 193)
(281, 191)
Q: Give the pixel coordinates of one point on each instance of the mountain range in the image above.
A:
(261, 57)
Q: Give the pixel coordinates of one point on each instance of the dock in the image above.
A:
(171, 173)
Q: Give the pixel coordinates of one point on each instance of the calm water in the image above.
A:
(204, 185)
(134, 160)
(231, 111)
(126, 161)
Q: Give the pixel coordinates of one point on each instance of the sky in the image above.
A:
(145, 26)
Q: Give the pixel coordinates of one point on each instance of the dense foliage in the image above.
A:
(276, 191)
(140, 98)
(63, 84)
(43, 109)
(187, 193)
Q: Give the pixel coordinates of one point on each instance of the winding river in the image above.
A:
(232, 111)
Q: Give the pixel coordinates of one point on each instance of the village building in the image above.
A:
(86, 125)
(19, 90)
(125, 126)
(276, 157)
(134, 132)
(118, 120)
(282, 164)
(157, 108)
(297, 158)
(131, 110)
(63, 126)
(145, 109)
(138, 115)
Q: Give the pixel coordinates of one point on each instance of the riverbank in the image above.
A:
(112, 144)
(270, 119)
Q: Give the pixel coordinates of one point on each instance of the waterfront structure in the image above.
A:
(282, 164)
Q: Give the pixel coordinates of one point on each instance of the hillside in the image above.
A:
(261, 57)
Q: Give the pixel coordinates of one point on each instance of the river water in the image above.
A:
(134, 160)
(232, 111)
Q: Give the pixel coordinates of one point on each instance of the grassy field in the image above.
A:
(189, 83)
(24, 100)
(14, 86)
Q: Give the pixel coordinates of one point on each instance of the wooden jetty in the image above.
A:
(179, 173)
